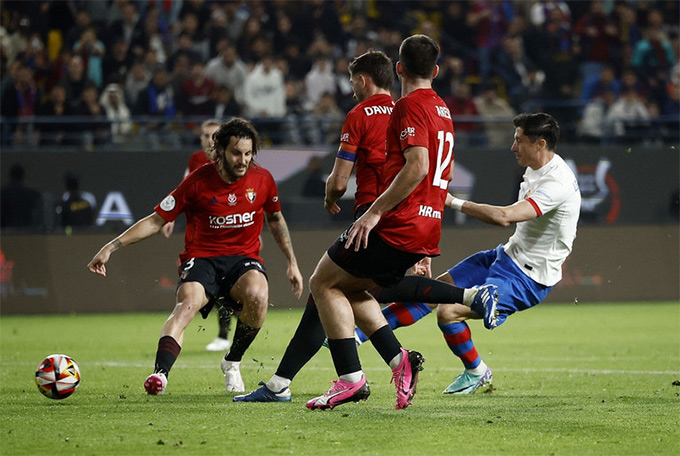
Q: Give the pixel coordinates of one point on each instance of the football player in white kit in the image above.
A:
(527, 266)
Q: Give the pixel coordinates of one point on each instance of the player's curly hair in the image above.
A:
(418, 55)
(539, 125)
(236, 127)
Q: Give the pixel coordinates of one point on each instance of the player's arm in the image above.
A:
(144, 228)
(279, 230)
(494, 215)
(414, 171)
(336, 184)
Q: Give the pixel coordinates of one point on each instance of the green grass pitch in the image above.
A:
(568, 380)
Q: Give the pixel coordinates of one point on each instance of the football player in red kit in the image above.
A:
(226, 203)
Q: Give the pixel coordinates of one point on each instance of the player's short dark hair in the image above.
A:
(236, 127)
(418, 56)
(376, 65)
(539, 125)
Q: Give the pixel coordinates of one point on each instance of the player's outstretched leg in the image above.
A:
(484, 304)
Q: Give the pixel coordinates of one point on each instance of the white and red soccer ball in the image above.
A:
(57, 376)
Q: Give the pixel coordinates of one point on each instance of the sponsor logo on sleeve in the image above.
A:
(406, 132)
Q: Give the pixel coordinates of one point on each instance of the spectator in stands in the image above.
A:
(599, 40)
(451, 74)
(225, 105)
(461, 103)
(457, 38)
(126, 27)
(513, 67)
(296, 120)
(55, 132)
(75, 79)
(200, 44)
(117, 112)
(328, 118)
(197, 93)
(184, 47)
(19, 101)
(496, 113)
(228, 70)
(264, 97)
(628, 116)
(153, 36)
(157, 101)
(83, 21)
(137, 80)
(76, 208)
(298, 62)
(594, 127)
(490, 19)
(318, 81)
(96, 130)
(653, 57)
(283, 34)
(92, 51)
(596, 85)
(20, 205)
(117, 63)
(671, 107)
(252, 30)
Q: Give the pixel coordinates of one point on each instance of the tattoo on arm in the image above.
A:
(279, 231)
(116, 244)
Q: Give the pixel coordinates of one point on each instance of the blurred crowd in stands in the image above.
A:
(101, 74)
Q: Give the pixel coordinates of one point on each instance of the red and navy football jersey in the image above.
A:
(420, 118)
(363, 141)
(222, 219)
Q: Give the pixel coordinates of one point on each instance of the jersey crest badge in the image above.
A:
(231, 199)
(250, 195)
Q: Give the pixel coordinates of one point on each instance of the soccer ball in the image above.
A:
(57, 376)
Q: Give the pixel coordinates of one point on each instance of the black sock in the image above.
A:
(224, 321)
(305, 343)
(243, 337)
(345, 355)
(166, 355)
(386, 343)
(419, 289)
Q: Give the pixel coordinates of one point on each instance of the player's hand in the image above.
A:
(295, 278)
(97, 264)
(167, 229)
(331, 207)
(423, 267)
(359, 231)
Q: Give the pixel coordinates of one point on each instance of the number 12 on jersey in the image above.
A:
(443, 162)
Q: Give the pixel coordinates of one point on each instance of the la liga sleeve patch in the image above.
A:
(168, 204)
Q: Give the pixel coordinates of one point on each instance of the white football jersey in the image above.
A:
(539, 246)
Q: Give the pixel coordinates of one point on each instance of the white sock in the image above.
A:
(277, 383)
(468, 295)
(479, 370)
(352, 377)
(232, 364)
(394, 362)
